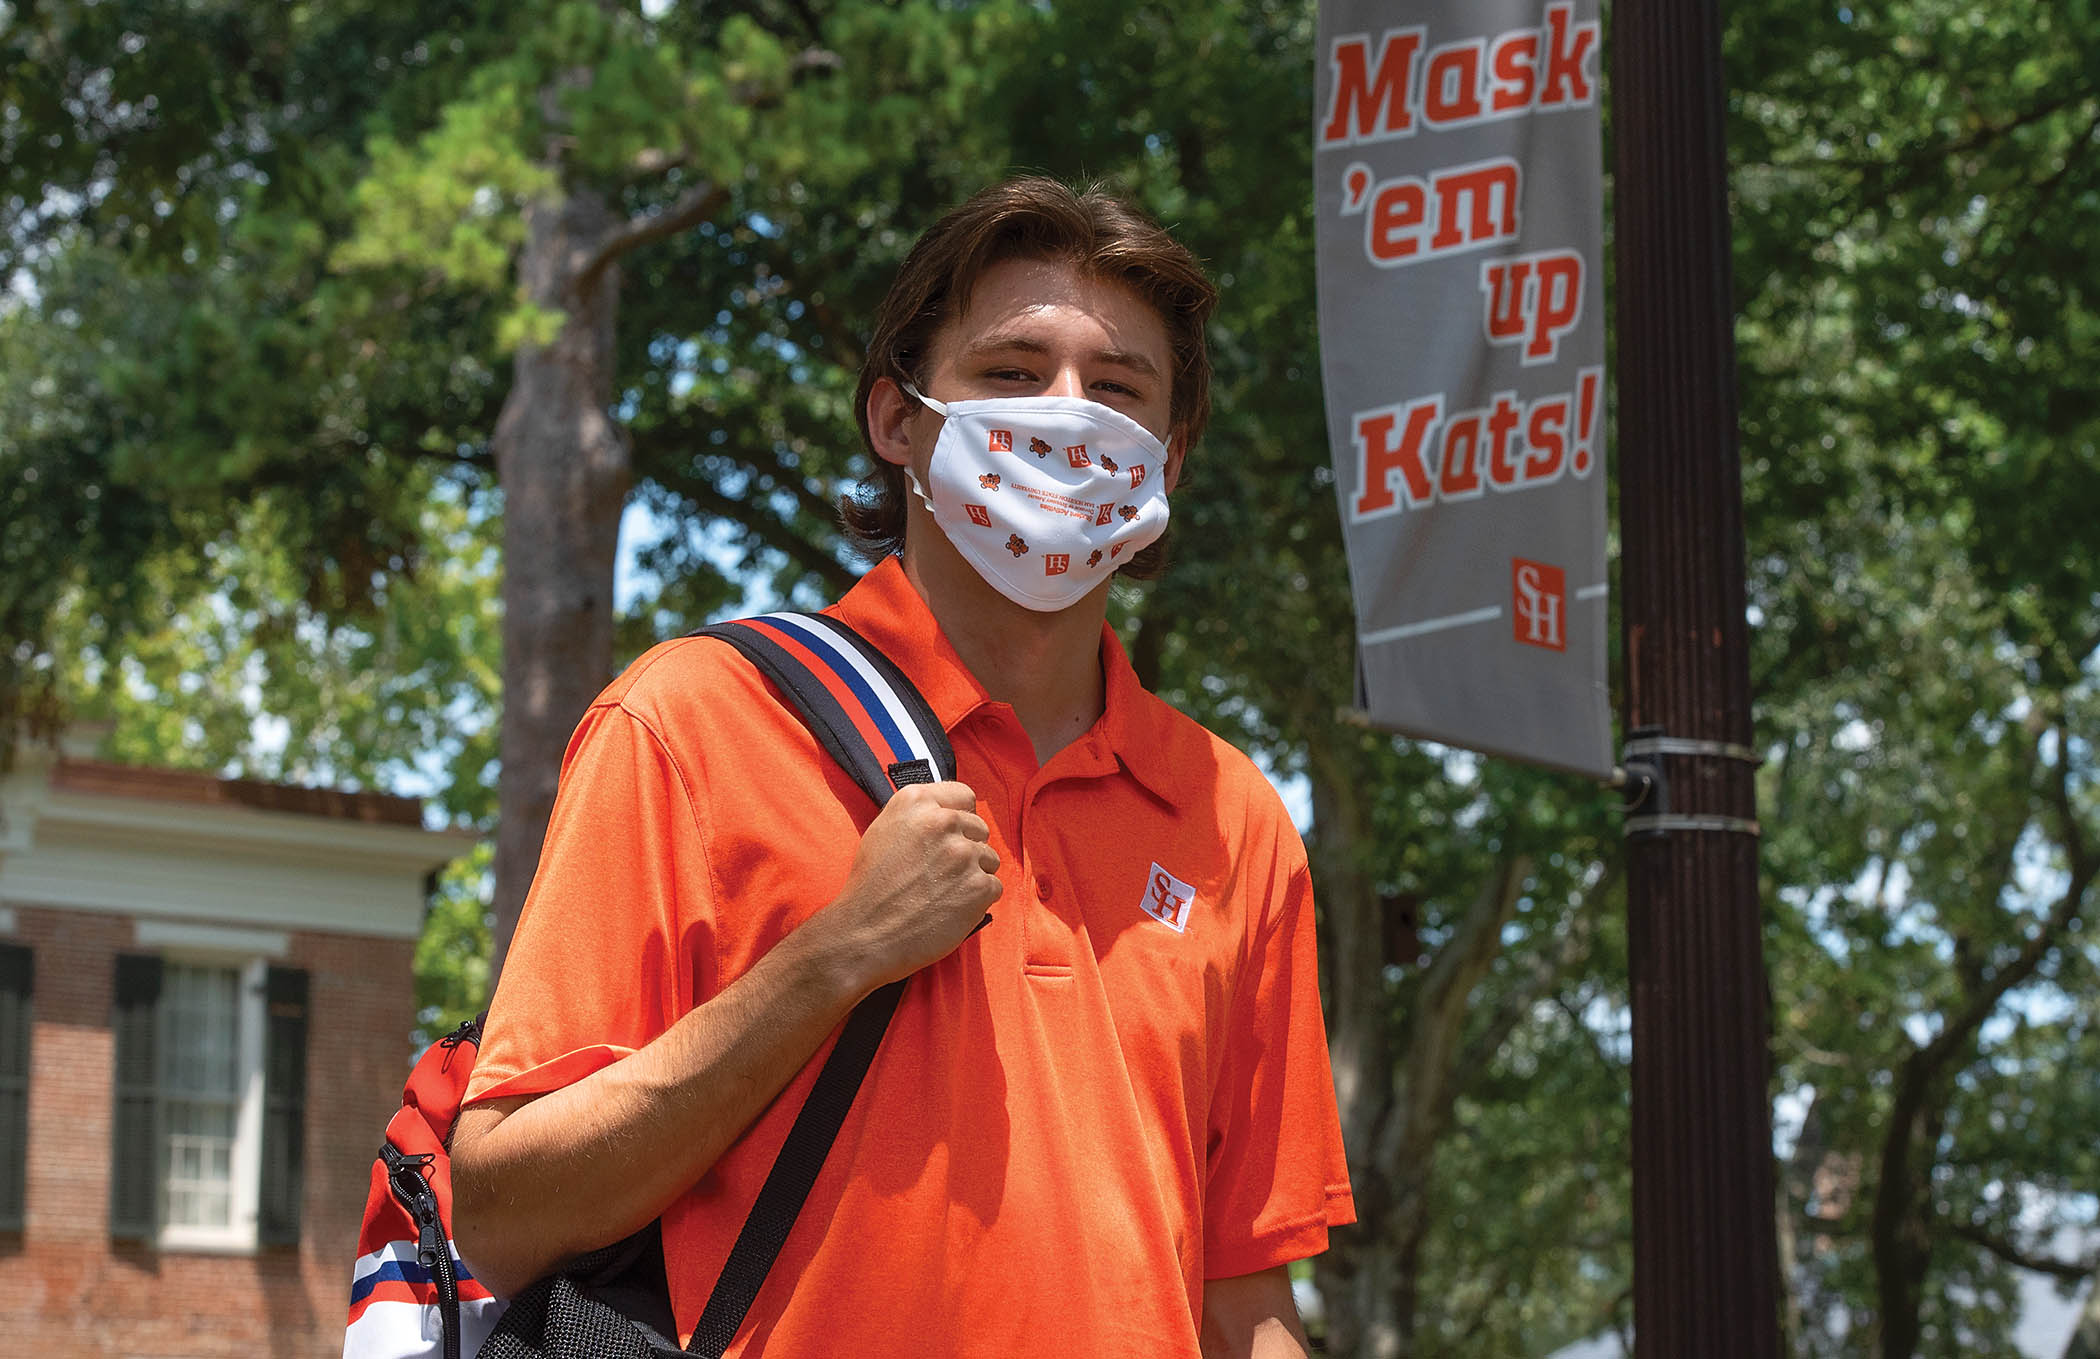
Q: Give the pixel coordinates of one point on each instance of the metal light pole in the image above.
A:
(1705, 1256)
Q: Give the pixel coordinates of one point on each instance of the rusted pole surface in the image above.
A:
(1705, 1257)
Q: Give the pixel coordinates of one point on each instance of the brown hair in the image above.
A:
(1032, 217)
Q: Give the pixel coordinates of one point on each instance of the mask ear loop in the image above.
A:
(937, 407)
(910, 478)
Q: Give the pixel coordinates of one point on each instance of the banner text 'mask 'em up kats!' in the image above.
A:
(1459, 189)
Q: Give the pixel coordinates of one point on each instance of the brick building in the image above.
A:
(205, 1004)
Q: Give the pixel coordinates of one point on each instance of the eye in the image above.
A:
(1122, 392)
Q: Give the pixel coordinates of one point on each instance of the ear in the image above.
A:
(890, 416)
(1177, 449)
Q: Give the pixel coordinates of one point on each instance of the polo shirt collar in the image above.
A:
(1134, 724)
(884, 608)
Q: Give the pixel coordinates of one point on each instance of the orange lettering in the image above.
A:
(1379, 455)
(1371, 102)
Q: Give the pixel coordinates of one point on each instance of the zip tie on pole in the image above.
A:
(1686, 745)
(1664, 822)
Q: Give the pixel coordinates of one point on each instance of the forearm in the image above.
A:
(1252, 1316)
(540, 1181)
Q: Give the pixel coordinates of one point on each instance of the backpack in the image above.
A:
(413, 1297)
(410, 1293)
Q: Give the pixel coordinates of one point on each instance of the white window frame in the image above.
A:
(249, 952)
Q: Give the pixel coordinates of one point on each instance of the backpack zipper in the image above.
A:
(433, 1251)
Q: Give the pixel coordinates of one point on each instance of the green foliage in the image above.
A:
(452, 203)
(229, 669)
(452, 957)
(1918, 205)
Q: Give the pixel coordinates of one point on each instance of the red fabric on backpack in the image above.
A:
(397, 1293)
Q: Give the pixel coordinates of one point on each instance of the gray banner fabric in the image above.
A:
(1459, 186)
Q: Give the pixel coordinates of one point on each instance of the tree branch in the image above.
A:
(658, 439)
(1960, 1027)
(1984, 1002)
(1830, 1226)
(1497, 1282)
(1440, 1011)
(771, 531)
(767, 462)
(1815, 1056)
(2045, 193)
(1916, 162)
(1901, 1214)
(758, 96)
(2071, 828)
(480, 459)
(703, 200)
(784, 265)
(1606, 1062)
(843, 338)
(2070, 1271)
(1547, 969)
(811, 24)
(691, 208)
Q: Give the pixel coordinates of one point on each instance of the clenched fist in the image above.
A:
(921, 881)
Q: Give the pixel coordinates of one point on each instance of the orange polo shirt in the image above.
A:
(1094, 1104)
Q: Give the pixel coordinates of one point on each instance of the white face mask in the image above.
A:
(1044, 495)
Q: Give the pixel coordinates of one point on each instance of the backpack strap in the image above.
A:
(864, 710)
(871, 719)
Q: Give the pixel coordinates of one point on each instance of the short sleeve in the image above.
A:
(603, 959)
(1277, 1177)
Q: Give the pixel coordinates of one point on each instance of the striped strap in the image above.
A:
(863, 709)
(871, 719)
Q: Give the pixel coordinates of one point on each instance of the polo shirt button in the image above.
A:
(1042, 886)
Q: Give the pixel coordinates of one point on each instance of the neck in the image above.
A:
(1045, 666)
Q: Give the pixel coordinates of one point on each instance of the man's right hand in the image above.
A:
(922, 879)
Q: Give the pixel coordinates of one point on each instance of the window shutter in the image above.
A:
(284, 1108)
(17, 968)
(134, 1172)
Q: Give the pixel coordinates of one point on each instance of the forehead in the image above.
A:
(1054, 302)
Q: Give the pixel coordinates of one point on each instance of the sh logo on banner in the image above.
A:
(1168, 899)
(1541, 603)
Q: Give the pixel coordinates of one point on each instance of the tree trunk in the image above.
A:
(1903, 1212)
(1368, 1311)
(1797, 1185)
(564, 467)
(1394, 1115)
(1902, 1242)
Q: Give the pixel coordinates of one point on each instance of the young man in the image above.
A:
(1101, 1125)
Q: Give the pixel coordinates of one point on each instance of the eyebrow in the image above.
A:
(1121, 358)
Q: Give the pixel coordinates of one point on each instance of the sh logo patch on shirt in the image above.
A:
(1168, 899)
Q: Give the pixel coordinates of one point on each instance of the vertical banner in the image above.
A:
(1459, 188)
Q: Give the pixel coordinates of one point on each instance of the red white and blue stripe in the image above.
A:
(394, 1306)
(844, 654)
(859, 704)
